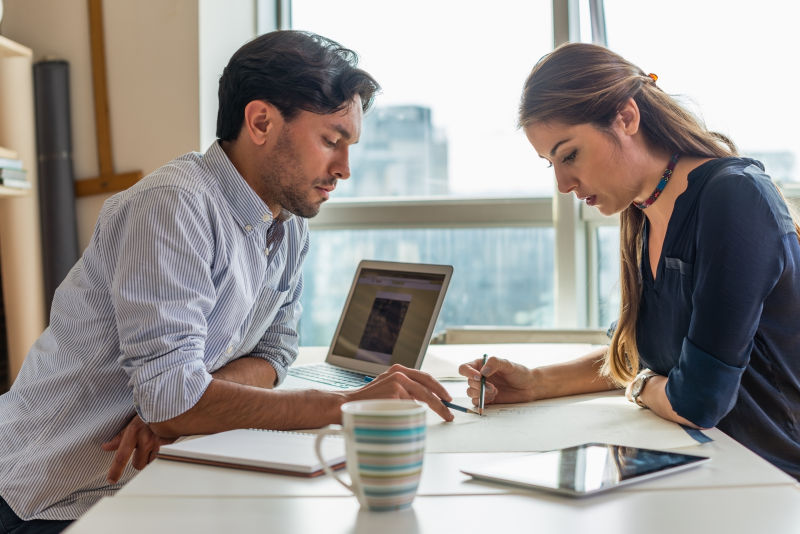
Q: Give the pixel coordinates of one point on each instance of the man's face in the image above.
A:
(310, 155)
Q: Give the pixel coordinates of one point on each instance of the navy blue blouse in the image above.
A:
(721, 318)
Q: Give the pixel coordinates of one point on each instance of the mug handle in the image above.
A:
(318, 449)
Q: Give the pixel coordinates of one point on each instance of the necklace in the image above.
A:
(661, 184)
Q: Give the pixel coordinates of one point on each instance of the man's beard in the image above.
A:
(284, 178)
(294, 201)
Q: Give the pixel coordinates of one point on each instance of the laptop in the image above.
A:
(388, 318)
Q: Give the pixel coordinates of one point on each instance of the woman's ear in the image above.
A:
(628, 117)
(259, 119)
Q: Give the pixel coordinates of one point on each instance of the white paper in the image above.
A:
(554, 424)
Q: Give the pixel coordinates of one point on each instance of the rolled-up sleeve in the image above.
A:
(702, 388)
(162, 292)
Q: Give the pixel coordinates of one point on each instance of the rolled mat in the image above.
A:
(56, 177)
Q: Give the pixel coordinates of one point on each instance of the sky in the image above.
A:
(468, 62)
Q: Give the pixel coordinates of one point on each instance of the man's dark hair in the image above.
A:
(293, 71)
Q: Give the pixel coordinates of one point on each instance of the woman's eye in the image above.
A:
(570, 157)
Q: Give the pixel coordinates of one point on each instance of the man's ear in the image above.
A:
(628, 117)
(259, 120)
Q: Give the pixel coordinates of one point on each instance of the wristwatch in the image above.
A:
(637, 386)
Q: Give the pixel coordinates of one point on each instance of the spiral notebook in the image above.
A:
(270, 451)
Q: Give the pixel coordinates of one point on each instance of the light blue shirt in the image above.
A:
(186, 271)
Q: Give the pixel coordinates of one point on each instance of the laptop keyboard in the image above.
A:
(328, 374)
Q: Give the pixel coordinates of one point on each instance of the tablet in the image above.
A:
(585, 469)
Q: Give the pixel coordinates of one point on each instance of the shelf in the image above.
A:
(7, 153)
(20, 230)
(9, 48)
(13, 192)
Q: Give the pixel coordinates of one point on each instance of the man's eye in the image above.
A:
(329, 142)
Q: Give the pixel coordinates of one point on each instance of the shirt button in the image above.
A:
(248, 228)
(229, 349)
(266, 218)
(266, 251)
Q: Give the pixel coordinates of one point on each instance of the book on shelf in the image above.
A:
(15, 184)
(10, 163)
(15, 178)
(13, 174)
(271, 451)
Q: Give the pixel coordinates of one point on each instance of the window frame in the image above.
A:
(576, 291)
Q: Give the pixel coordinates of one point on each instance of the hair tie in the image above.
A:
(653, 76)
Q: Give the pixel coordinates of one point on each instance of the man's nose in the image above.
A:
(341, 165)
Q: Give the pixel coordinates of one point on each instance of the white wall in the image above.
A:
(238, 19)
(153, 63)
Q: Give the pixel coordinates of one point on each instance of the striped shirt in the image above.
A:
(185, 272)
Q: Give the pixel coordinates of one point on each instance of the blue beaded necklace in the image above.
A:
(661, 184)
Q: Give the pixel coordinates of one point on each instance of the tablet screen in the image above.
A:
(585, 469)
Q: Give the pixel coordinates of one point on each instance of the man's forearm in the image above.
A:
(250, 371)
(227, 405)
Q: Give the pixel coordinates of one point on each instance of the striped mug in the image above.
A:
(385, 445)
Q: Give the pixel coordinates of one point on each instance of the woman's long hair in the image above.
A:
(582, 83)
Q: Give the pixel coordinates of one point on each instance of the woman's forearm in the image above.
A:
(654, 396)
(581, 375)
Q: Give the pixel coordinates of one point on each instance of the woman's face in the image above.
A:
(589, 162)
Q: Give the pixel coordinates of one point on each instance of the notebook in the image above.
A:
(271, 451)
(388, 317)
(585, 469)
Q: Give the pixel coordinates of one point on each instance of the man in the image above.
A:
(181, 315)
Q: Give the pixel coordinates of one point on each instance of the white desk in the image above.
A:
(736, 492)
(731, 466)
(772, 510)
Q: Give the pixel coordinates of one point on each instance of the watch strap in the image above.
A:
(640, 381)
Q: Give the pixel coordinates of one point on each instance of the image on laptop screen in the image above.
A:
(388, 316)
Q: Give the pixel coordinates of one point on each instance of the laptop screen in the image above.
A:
(389, 316)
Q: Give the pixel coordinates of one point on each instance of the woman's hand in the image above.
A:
(506, 382)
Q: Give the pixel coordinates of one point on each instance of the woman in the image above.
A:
(709, 326)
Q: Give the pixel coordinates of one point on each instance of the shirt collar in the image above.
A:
(247, 207)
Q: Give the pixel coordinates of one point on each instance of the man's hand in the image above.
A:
(400, 382)
(135, 439)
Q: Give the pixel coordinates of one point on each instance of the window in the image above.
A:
(725, 61)
(442, 174)
(443, 131)
(495, 281)
(451, 72)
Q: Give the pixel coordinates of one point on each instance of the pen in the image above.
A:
(483, 388)
(459, 408)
